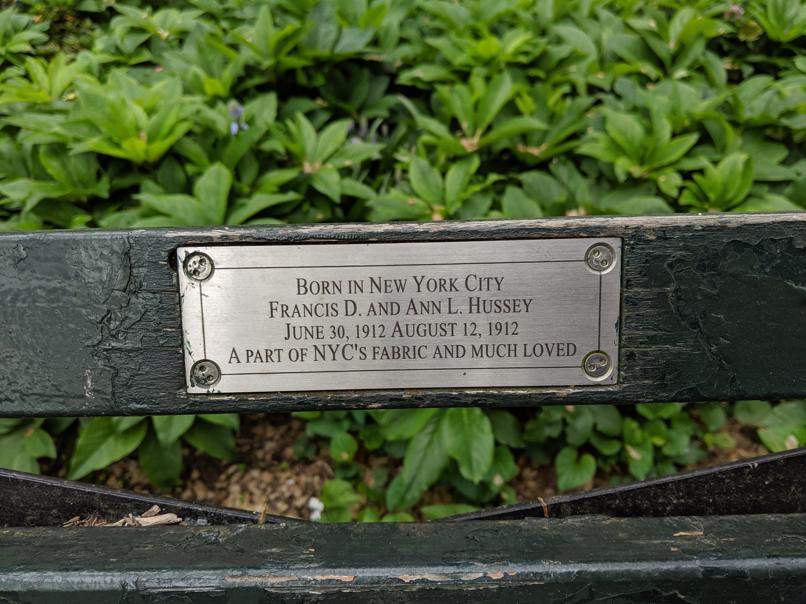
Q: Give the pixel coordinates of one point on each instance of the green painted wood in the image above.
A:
(688, 559)
(713, 308)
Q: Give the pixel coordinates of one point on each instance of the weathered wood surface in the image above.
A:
(713, 307)
(720, 559)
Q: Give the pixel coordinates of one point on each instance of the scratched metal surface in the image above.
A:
(713, 307)
(361, 305)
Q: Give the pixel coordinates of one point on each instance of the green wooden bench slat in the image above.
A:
(693, 559)
(713, 307)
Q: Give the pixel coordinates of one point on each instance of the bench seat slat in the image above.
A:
(708, 559)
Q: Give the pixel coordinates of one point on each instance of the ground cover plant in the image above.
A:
(191, 113)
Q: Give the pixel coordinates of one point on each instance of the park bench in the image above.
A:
(633, 309)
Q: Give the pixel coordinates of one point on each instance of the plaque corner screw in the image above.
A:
(205, 373)
(600, 257)
(198, 266)
(596, 364)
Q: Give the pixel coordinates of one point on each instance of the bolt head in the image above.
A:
(205, 373)
(198, 266)
(597, 364)
(600, 257)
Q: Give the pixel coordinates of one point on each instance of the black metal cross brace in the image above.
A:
(773, 484)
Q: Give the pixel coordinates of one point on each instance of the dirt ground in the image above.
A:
(268, 478)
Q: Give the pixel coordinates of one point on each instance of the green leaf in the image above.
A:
(328, 425)
(245, 208)
(546, 190)
(38, 443)
(368, 514)
(736, 176)
(14, 454)
(212, 191)
(573, 471)
(506, 428)
(713, 416)
(789, 412)
(443, 510)
(658, 410)
(397, 207)
(677, 443)
(161, 462)
(722, 440)
(229, 420)
(503, 469)
(425, 459)
(607, 419)
(627, 131)
(328, 182)
(457, 180)
(426, 181)
(217, 441)
(403, 424)
(10, 424)
(640, 458)
(579, 420)
(512, 127)
(671, 151)
(768, 203)
(468, 438)
(122, 424)
(517, 204)
(337, 493)
(353, 153)
(183, 208)
(580, 41)
(343, 447)
(632, 432)
(170, 427)
(605, 446)
(306, 137)
(498, 92)
(329, 141)
(752, 413)
(783, 438)
(100, 444)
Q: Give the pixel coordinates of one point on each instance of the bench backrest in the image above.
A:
(708, 308)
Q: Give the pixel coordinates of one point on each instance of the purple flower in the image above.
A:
(236, 111)
(734, 12)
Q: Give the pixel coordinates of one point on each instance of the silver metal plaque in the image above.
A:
(271, 318)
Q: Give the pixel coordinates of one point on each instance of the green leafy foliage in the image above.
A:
(158, 441)
(22, 443)
(254, 112)
(780, 428)
(473, 451)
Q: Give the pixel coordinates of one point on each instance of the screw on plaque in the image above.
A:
(596, 364)
(205, 374)
(198, 266)
(600, 257)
